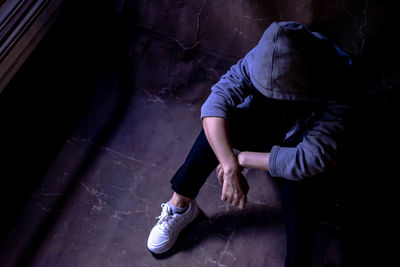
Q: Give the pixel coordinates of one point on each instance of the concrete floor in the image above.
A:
(102, 194)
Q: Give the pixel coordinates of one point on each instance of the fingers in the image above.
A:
(220, 174)
(242, 203)
(234, 189)
(226, 196)
(239, 202)
(236, 200)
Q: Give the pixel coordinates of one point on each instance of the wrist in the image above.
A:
(231, 166)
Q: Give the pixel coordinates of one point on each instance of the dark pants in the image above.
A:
(297, 196)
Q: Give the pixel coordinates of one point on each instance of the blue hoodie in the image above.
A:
(291, 63)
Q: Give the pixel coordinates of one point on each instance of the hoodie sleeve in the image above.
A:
(317, 150)
(228, 92)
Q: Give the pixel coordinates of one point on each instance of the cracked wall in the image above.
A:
(187, 42)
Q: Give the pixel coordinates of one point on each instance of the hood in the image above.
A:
(292, 63)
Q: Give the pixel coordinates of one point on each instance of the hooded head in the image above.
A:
(292, 63)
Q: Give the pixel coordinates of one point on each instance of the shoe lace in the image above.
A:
(165, 217)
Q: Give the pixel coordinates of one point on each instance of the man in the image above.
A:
(284, 107)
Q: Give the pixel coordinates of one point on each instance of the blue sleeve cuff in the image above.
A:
(281, 162)
(272, 166)
(212, 109)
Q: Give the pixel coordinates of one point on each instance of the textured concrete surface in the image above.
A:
(98, 202)
(147, 66)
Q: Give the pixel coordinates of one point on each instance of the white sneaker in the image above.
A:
(164, 234)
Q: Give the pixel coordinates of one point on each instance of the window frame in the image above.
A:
(23, 23)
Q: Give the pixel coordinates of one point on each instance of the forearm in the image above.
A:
(234, 185)
(216, 130)
(256, 160)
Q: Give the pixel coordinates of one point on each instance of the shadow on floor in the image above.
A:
(225, 225)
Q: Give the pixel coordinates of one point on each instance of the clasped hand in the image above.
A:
(234, 186)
